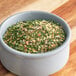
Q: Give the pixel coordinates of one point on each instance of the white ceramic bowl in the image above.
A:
(24, 64)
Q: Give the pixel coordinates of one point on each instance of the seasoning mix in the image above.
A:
(35, 36)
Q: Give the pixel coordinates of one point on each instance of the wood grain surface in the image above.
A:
(66, 11)
(9, 7)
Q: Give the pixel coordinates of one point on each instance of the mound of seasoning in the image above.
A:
(36, 36)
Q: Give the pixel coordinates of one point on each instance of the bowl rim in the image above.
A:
(52, 52)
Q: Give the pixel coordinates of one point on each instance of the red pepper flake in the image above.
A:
(39, 34)
(25, 48)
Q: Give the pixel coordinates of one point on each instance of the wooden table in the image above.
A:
(68, 12)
